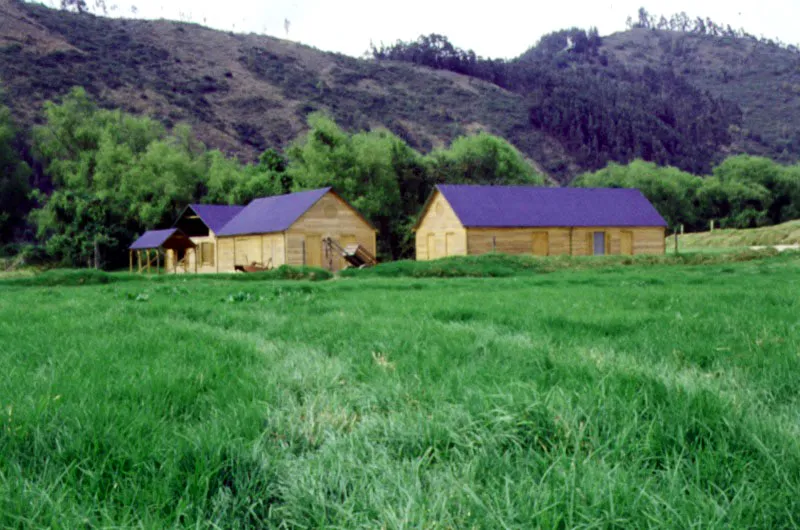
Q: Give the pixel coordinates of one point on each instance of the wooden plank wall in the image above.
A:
(515, 240)
(225, 254)
(646, 240)
(329, 217)
(440, 233)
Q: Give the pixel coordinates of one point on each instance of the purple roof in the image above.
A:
(216, 216)
(528, 206)
(272, 214)
(152, 239)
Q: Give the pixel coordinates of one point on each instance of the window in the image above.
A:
(207, 254)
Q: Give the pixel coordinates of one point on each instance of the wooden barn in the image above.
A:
(315, 228)
(460, 220)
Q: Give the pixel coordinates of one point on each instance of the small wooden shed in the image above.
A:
(460, 220)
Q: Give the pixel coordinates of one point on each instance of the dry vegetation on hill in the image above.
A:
(244, 93)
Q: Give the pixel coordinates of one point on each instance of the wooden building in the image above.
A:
(459, 220)
(304, 228)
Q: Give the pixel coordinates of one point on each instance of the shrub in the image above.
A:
(502, 265)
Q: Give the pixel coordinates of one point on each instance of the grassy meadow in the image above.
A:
(738, 238)
(644, 395)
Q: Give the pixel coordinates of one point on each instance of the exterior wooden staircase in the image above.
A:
(354, 254)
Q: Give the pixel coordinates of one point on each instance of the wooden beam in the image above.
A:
(130, 261)
(139, 261)
(158, 261)
(194, 251)
(148, 261)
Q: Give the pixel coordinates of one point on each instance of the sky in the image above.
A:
(498, 29)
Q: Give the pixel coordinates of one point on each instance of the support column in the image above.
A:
(130, 261)
(158, 261)
(148, 261)
(139, 261)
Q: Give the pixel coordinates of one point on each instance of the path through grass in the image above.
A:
(629, 397)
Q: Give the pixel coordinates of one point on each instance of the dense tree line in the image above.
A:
(115, 175)
(14, 178)
(742, 192)
(683, 23)
(597, 108)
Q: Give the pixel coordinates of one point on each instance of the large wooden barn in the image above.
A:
(306, 228)
(460, 220)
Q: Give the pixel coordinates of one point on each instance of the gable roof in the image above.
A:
(156, 238)
(215, 216)
(530, 206)
(272, 214)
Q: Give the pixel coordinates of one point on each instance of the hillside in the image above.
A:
(763, 80)
(672, 98)
(243, 93)
(782, 234)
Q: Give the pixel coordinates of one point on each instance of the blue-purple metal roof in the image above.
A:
(152, 239)
(272, 214)
(528, 206)
(216, 216)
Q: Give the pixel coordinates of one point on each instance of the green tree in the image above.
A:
(673, 192)
(115, 175)
(228, 182)
(14, 178)
(482, 159)
(773, 189)
(360, 167)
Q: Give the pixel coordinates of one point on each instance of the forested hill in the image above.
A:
(574, 102)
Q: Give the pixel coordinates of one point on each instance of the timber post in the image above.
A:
(130, 261)
(158, 261)
(139, 261)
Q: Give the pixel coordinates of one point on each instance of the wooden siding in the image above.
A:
(329, 217)
(564, 241)
(272, 250)
(517, 240)
(440, 232)
(644, 240)
(263, 249)
(225, 254)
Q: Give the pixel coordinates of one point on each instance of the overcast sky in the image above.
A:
(496, 28)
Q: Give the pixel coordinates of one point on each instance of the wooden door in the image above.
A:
(541, 244)
(313, 250)
(449, 244)
(626, 243)
(599, 243)
(431, 246)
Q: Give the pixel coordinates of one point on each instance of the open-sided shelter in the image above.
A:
(171, 241)
(316, 228)
(459, 220)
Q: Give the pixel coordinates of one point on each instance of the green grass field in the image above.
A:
(783, 234)
(629, 397)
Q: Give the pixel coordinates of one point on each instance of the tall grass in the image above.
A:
(783, 234)
(620, 397)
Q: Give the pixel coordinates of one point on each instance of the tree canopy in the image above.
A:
(115, 175)
(743, 192)
(14, 175)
